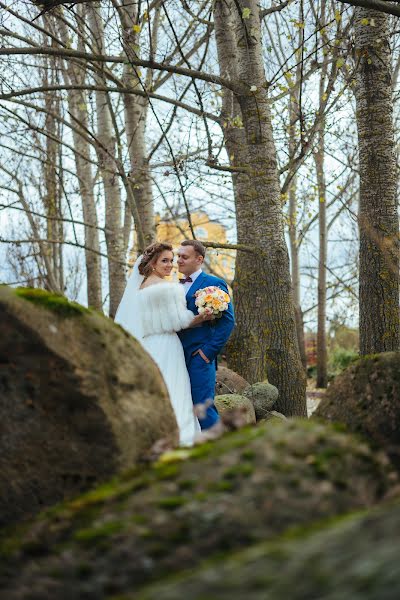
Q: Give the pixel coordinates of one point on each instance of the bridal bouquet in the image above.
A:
(212, 301)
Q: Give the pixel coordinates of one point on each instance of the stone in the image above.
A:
(353, 558)
(263, 395)
(273, 414)
(366, 398)
(80, 401)
(226, 402)
(229, 382)
(165, 519)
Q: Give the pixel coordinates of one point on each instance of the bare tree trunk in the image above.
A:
(78, 107)
(378, 217)
(236, 147)
(136, 108)
(265, 342)
(59, 223)
(40, 252)
(77, 103)
(106, 149)
(319, 158)
(293, 236)
(51, 196)
(322, 357)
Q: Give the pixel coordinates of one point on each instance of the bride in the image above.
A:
(153, 310)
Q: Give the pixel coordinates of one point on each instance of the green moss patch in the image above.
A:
(53, 302)
(172, 502)
(249, 486)
(349, 557)
(93, 534)
(366, 399)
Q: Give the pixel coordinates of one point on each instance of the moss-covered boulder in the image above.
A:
(229, 382)
(191, 505)
(273, 414)
(227, 402)
(263, 396)
(352, 558)
(80, 400)
(366, 397)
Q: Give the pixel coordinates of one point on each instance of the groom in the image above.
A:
(202, 344)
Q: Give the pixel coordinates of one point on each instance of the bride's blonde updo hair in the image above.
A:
(150, 256)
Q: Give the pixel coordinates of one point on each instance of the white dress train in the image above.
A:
(153, 315)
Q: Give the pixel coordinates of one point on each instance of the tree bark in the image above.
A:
(51, 195)
(319, 159)
(378, 217)
(136, 109)
(51, 199)
(265, 341)
(382, 5)
(295, 270)
(294, 118)
(106, 149)
(77, 104)
(322, 356)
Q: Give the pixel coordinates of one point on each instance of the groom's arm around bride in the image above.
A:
(202, 344)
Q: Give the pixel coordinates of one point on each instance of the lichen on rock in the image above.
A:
(348, 558)
(226, 402)
(366, 398)
(81, 400)
(243, 489)
(263, 396)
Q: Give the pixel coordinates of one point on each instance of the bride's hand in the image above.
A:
(199, 319)
(205, 317)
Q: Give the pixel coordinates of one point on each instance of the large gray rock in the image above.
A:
(245, 488)
(229, 382)
(227, 402)
(366, 397)
(355, 558)
(270, 416)
(79, 400)
(263, 395)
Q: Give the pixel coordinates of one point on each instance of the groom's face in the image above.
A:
(188, 260)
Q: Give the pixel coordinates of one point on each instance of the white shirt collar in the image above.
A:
(195, 275)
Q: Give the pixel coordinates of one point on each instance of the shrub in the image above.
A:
(340, 359)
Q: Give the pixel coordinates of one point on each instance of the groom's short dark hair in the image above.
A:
(197, 245)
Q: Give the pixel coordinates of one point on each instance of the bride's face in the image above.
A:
(164, 263)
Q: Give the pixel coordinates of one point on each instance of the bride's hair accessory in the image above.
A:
(150, 255)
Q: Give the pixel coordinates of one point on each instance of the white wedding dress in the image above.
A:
(153, 315)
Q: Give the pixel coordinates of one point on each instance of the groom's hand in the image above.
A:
(203, 356)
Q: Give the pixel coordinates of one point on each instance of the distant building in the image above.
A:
(218, 262)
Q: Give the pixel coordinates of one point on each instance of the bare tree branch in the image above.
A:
(273, 9)
(47, 241)
(119, 90)
(379, 5)
(67, 52)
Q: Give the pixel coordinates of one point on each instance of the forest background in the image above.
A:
(278, 119)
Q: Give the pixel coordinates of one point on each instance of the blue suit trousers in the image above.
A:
(202, 380)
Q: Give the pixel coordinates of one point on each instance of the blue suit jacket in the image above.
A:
(211, 336)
